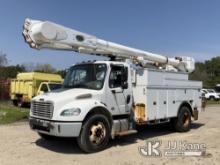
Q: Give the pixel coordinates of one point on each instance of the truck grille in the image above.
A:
(42, 109)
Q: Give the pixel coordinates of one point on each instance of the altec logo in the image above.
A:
(151, 148)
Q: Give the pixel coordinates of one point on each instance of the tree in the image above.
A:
(29, 67)
(207, 72)
(11, 71)
(62, 73)
(3, 59)
(46, 68)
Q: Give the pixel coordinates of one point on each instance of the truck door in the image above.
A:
(119, 97)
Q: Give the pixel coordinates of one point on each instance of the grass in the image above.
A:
(10, 113)
(211, 102)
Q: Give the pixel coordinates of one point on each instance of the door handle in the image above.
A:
(128, 99)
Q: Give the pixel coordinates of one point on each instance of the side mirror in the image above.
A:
(124, 85)
(124, 82)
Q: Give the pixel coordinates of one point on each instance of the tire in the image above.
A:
(183, 121)
(15, 102)
(95, 133)
(20, 103)
(46, 137)
(211, 98)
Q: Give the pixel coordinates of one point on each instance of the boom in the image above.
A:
(39, 35)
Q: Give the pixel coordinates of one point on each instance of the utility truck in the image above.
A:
(30, 84)
(100, 100)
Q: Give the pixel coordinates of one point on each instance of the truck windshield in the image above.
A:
(90, 76)
(54, 86)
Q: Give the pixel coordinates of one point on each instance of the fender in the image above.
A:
(187, 104)
(100, 110)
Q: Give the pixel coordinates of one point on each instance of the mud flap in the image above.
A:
(195, 114)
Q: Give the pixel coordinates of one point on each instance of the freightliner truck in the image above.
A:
(100, 100)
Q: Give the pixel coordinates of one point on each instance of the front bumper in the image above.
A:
(55, 128)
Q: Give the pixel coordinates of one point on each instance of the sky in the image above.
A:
(167, 27)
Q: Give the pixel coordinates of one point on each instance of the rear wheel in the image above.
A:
(20, 103)
(211, 98)
(15, 102)
(183, 121)
(95, 134)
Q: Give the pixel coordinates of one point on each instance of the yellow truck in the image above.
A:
(30, 84)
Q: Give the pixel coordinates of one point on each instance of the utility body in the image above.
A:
(103, 99)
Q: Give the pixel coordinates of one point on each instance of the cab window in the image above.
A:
(116, 77)
(44, 88)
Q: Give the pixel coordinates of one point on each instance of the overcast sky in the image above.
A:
(169, 27)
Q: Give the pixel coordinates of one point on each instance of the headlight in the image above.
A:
(71, 112)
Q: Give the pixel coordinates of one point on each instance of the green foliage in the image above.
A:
(10, 114)
(3, 59)
(211, 102)
(10, 71)
(207, 72)
(45, 68)
(62, 73)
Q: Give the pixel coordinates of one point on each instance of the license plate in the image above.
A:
(38, 122)
(39, 125)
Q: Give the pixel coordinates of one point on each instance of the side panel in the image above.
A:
(172, 105)
(12, 86)
(162, 103)
(140, 94)
(152, 99)
(165, 92)
(12, 90)
(17, 87)
(30, 90)
(21, 87)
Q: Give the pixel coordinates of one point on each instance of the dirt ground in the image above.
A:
(21, 146)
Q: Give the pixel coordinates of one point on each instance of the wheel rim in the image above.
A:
(97, 133)
(186, 120)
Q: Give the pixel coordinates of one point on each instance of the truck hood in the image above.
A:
(64, 98)
(61, 95)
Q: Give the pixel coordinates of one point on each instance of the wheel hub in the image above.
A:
(97, 133)
(186, 120)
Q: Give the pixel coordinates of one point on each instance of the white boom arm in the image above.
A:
(39, 35)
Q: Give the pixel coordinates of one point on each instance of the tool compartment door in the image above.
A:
(152, 100)
(162, 103)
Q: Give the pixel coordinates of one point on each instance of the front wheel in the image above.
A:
(95, 134)
(183, 121)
